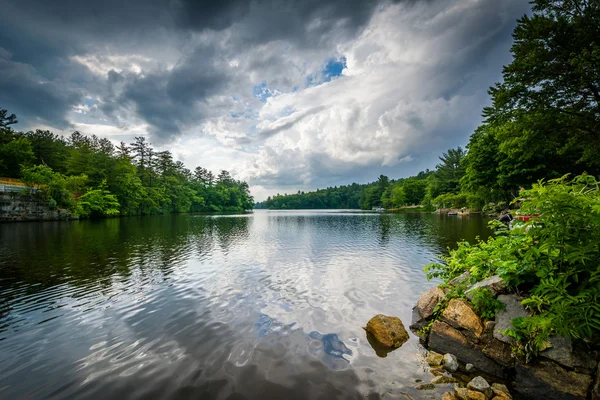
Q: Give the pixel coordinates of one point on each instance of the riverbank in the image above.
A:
(522, 306)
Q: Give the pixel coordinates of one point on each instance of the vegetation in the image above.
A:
(93, 178)
(486, 304)
(543, 123)
(553, 259)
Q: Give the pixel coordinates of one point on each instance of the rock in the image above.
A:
(547, 380)
(494, 283)
(497, 351)
(442, 379)
(425, 386)
(500, 392)
(489, 326)
(388, 331)
(450, 362)
(596, 388)
(562, 352)
(434, 359)
(461, 393)
(514, 309)
(428, 301)
(474, 395)
(437, 371)
(480, 385)
(460, 315)
(461, 279)
(445, 339)
(449, 396)
(468, 367)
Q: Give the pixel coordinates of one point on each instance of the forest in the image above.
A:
(543, 123)
(91, 177)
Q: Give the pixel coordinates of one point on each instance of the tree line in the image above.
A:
(91, 177)
(544, 122)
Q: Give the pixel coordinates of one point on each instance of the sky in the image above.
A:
(288, 95)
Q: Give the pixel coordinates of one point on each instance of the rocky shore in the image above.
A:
(564, 370)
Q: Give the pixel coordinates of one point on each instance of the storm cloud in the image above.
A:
(289, 94)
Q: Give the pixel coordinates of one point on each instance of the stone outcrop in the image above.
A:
(14, 208)
(547, 380)
(387, 330)
(563, 371)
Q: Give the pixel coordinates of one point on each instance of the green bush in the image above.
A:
(486, 304)
(554, 259)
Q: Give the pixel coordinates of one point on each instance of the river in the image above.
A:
(257, 306)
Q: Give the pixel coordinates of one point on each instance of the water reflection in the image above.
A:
(213, 306)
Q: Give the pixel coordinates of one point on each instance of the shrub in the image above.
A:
(486, 304)
(554, 259)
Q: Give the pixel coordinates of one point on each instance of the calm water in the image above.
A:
(257, 306)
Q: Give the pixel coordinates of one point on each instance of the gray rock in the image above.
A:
(562, 353)
(450, 362)
(469, 367)
(494, 283)
(549, 381)
(514, 309)
(480, 385)
(459, 280)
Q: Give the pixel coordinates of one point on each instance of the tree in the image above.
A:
(6, 119)
(550, 92)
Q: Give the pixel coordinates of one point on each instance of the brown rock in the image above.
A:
(449, 396)
(497, 350)
(388, 331)
(481, 385)
(443, 379)
(501, 390)
(547, 380)
(437, 371)
(460, 315)
(425, 386)
(428, 301)
(434, 359)
(445, 339)
(473, 395)
(489, 326)
(461, 393)
(501, 396)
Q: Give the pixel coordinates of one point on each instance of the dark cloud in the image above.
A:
(24, 92)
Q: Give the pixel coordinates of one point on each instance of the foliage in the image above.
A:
(98, 202)
(554, 258)
(90, 177)
(486, 304)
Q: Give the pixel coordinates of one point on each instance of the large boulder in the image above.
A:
(387, 330)
(494, 283)
(514, 309)
(497, 350)
(460, 315)
(445, 339)
(547, 380)
(563, 353)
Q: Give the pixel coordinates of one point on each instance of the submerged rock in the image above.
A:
(443, 379)
(514, 309)
(387, 330)
(547, 380)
